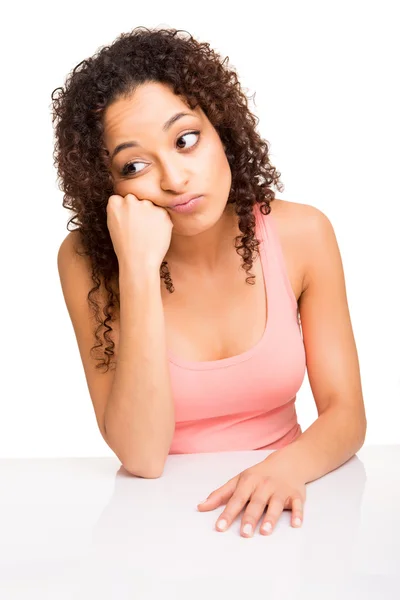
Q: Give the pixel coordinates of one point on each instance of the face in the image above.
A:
(188, 157)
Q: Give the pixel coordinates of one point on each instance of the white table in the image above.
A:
(84, 528)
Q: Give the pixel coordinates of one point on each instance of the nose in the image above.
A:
(173, 175)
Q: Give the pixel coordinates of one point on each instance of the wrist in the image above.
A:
(140, 273)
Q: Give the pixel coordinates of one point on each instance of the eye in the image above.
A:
(194, 133)
(126, 169)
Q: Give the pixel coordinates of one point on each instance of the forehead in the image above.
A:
(146, 109)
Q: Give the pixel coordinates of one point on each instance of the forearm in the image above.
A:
(139, 416)
(335, 436)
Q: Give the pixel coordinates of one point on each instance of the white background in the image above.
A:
(326, 78)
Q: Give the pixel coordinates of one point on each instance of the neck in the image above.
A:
(207, 252)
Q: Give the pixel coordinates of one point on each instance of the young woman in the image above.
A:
(195, 275)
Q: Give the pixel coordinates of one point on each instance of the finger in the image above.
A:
(239, 498)
(275, 507)
(256, 506)
(297, 511)
(219, 496)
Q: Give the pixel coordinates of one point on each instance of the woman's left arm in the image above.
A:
(331, 355)
(334, 437)
(334, 374)
(279, 481)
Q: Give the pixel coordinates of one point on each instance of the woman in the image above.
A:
(206, 359)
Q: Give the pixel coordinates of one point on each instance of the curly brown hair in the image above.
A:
(195, 72)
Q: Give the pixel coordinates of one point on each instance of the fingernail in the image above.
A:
(248, 529)
(297, 521)
(266, 527)
(203, 501)
(222, 524)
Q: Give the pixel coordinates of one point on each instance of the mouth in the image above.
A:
(184, 199)
(188, 206)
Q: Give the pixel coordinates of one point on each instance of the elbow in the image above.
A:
(149, 472)
(144, 474)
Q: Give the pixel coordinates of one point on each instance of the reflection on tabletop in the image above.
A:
(88, 528)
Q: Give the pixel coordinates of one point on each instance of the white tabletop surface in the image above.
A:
(84, 528)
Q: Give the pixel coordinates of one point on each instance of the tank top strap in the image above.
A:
(273, 258)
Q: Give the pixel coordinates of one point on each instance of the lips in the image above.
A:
(184, 199)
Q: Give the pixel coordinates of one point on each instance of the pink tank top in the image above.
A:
(246, 402)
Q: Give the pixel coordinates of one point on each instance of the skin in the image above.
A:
(202, 241)
(167, 167)
(315, 269)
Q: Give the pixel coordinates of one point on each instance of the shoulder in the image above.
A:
(296, 216)
(71, 244)
(304, 229)
(73, 267)
(71, 252)
(299, 220)
(71, 264)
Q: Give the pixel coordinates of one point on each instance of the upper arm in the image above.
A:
(331, 353)
(76, 282)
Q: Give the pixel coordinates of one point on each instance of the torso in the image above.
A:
(224, 316)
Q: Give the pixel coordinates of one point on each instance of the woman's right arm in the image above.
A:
(139, 416)
(133, 403)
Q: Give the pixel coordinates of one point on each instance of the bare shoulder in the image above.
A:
(74, 270)
(71, 259)
(298, 225)
(71, 245)
(294, 216)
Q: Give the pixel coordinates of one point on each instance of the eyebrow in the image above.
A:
(165, 127)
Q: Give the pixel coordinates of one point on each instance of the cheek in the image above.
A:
(139, 187)
(218, 172)
(123, 188)
(224, 175)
